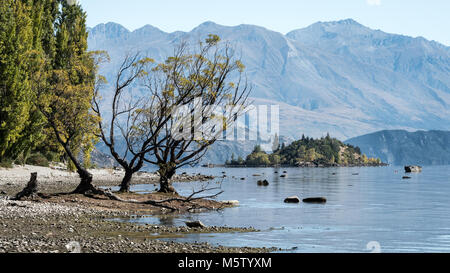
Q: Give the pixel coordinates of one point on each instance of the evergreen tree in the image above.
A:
(15, 92)
(26, 39)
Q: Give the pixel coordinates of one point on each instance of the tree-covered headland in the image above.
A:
(308, 152)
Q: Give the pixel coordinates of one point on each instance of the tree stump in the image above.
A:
(29, 190)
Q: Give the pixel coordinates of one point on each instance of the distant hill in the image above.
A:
(400, 147)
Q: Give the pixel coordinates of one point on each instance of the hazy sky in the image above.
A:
(427, 18)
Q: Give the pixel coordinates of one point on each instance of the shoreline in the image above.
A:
(312, 166)
(40, 227)
(48, 223)
(56, 179)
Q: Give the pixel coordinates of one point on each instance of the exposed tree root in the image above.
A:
(87, 189)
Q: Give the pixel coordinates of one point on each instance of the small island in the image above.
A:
(307, 152)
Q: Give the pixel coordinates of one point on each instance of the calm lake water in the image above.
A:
(376, 205)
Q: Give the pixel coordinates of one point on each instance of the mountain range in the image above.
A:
(398, 147)
(338, 77)
(335, 77)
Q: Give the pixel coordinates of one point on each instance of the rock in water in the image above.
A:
(316, 200)
(231, 202)
(413, 169)
(263, 183)
(195, 224)
(406, 177)
(292, 199)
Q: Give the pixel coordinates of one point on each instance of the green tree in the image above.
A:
(16, 37)
(66, 90)
(257, 149)
(26, 38)
(274, 159)
(258, 159)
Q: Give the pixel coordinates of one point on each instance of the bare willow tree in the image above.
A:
(126, 109)
(193, 89)
(137, 116)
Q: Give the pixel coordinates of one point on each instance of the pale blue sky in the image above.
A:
(427, 18)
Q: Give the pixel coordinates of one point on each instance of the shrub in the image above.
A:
(20, 160)
(6, 163)
(38, 160)
(52, 156)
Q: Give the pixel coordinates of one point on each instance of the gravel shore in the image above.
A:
(75, 223)
(30, 227)
(58, 179)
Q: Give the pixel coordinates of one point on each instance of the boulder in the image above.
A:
(195, 224)
(292, 199)
(413, 169)
(263, 183)
(316, 200)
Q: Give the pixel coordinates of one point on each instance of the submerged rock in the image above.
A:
(292, 199)
(316, 200)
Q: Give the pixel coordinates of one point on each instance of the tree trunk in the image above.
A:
(126, 181)
(86, 182)
(29, 190)
(165, 174)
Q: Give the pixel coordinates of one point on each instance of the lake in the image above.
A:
(366, 207)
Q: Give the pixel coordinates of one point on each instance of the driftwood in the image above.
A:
(30, 190)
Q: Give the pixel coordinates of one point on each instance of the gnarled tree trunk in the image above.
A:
(86, 182)
(166, 172)
(126, 181)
